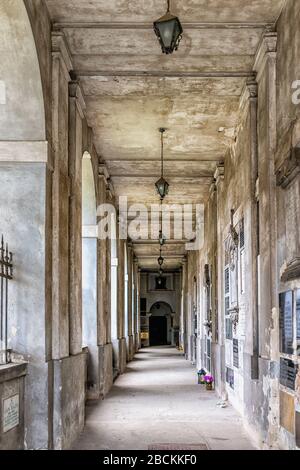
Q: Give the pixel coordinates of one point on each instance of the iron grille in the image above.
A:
(242, 234)
(6, 275)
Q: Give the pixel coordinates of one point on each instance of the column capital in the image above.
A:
(266, 49)
(212, 188)
(219, 174)
(76, 93)
(61, 51)
(289, 169)
(103, 172)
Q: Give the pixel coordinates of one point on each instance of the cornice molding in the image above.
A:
(267, 49)
(75, 92)
(219, 174)
(61, 50)
(289, 169)
(250, 92)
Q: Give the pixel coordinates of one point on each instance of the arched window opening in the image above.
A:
(89, 264)
(114, 279)
(126, 284)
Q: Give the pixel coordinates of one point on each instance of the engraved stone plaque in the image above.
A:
(288, 373)
(11, 413)
(286, 323)
(287, 412)
(236, 353)
(297, 419)
(298, 320)
(293, 220)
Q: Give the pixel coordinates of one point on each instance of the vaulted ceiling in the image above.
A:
(132, 89)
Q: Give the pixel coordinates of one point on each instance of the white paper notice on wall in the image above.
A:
(2, 92)
(11, 413)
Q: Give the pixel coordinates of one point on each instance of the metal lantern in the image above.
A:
(162, 185)
(169, 31)
(160, 261)
(162, 239)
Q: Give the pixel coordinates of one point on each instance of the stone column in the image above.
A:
(265, 66)
(130, 340)
(136, 302)
(76, 116)
(60, 197)
(252, 339)
(220, 350)
(121, 306)
(68, 401)
(184, 338)
(104, 314)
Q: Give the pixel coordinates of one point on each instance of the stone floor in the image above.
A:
(158, 401)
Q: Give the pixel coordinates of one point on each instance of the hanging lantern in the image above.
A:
(162, 185)
(169, 31)
(162, 239)
(160, 261)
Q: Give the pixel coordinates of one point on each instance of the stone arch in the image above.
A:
(89, 270)
(167, 309)
(22, 110)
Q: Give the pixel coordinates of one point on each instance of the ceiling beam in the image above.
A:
(174, 179)
(166, 257)
(156, 73)
(146, 26)
(155, 242)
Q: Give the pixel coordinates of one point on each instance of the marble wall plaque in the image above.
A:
(292, 217)
(286, 323)
(235, 353)
(11, 413)
(297, 423)
(298, 321)
(287, 412)
(288, 373)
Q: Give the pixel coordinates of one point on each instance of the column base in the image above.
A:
(130, 348)
(119, 356)
(106, 368)
(69, 394)
(137, 342)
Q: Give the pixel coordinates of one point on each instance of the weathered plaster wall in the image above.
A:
(23, 217)
(41, 30)
(22, 114)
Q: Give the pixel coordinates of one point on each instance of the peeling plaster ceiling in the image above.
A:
(132, 89)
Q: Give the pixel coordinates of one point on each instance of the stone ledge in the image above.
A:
(12, 371)
(292, 270)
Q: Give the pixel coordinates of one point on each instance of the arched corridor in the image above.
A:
(149, 224)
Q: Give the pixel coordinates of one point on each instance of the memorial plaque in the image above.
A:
(286, 322)
(288, 373)
(230, 377)
(297, 423)
(292, 214)
(287, 412)
(236, 353)
(11, 413)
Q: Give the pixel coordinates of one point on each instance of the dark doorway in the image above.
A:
(158, 331)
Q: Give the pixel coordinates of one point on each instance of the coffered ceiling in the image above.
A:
(132, 89)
